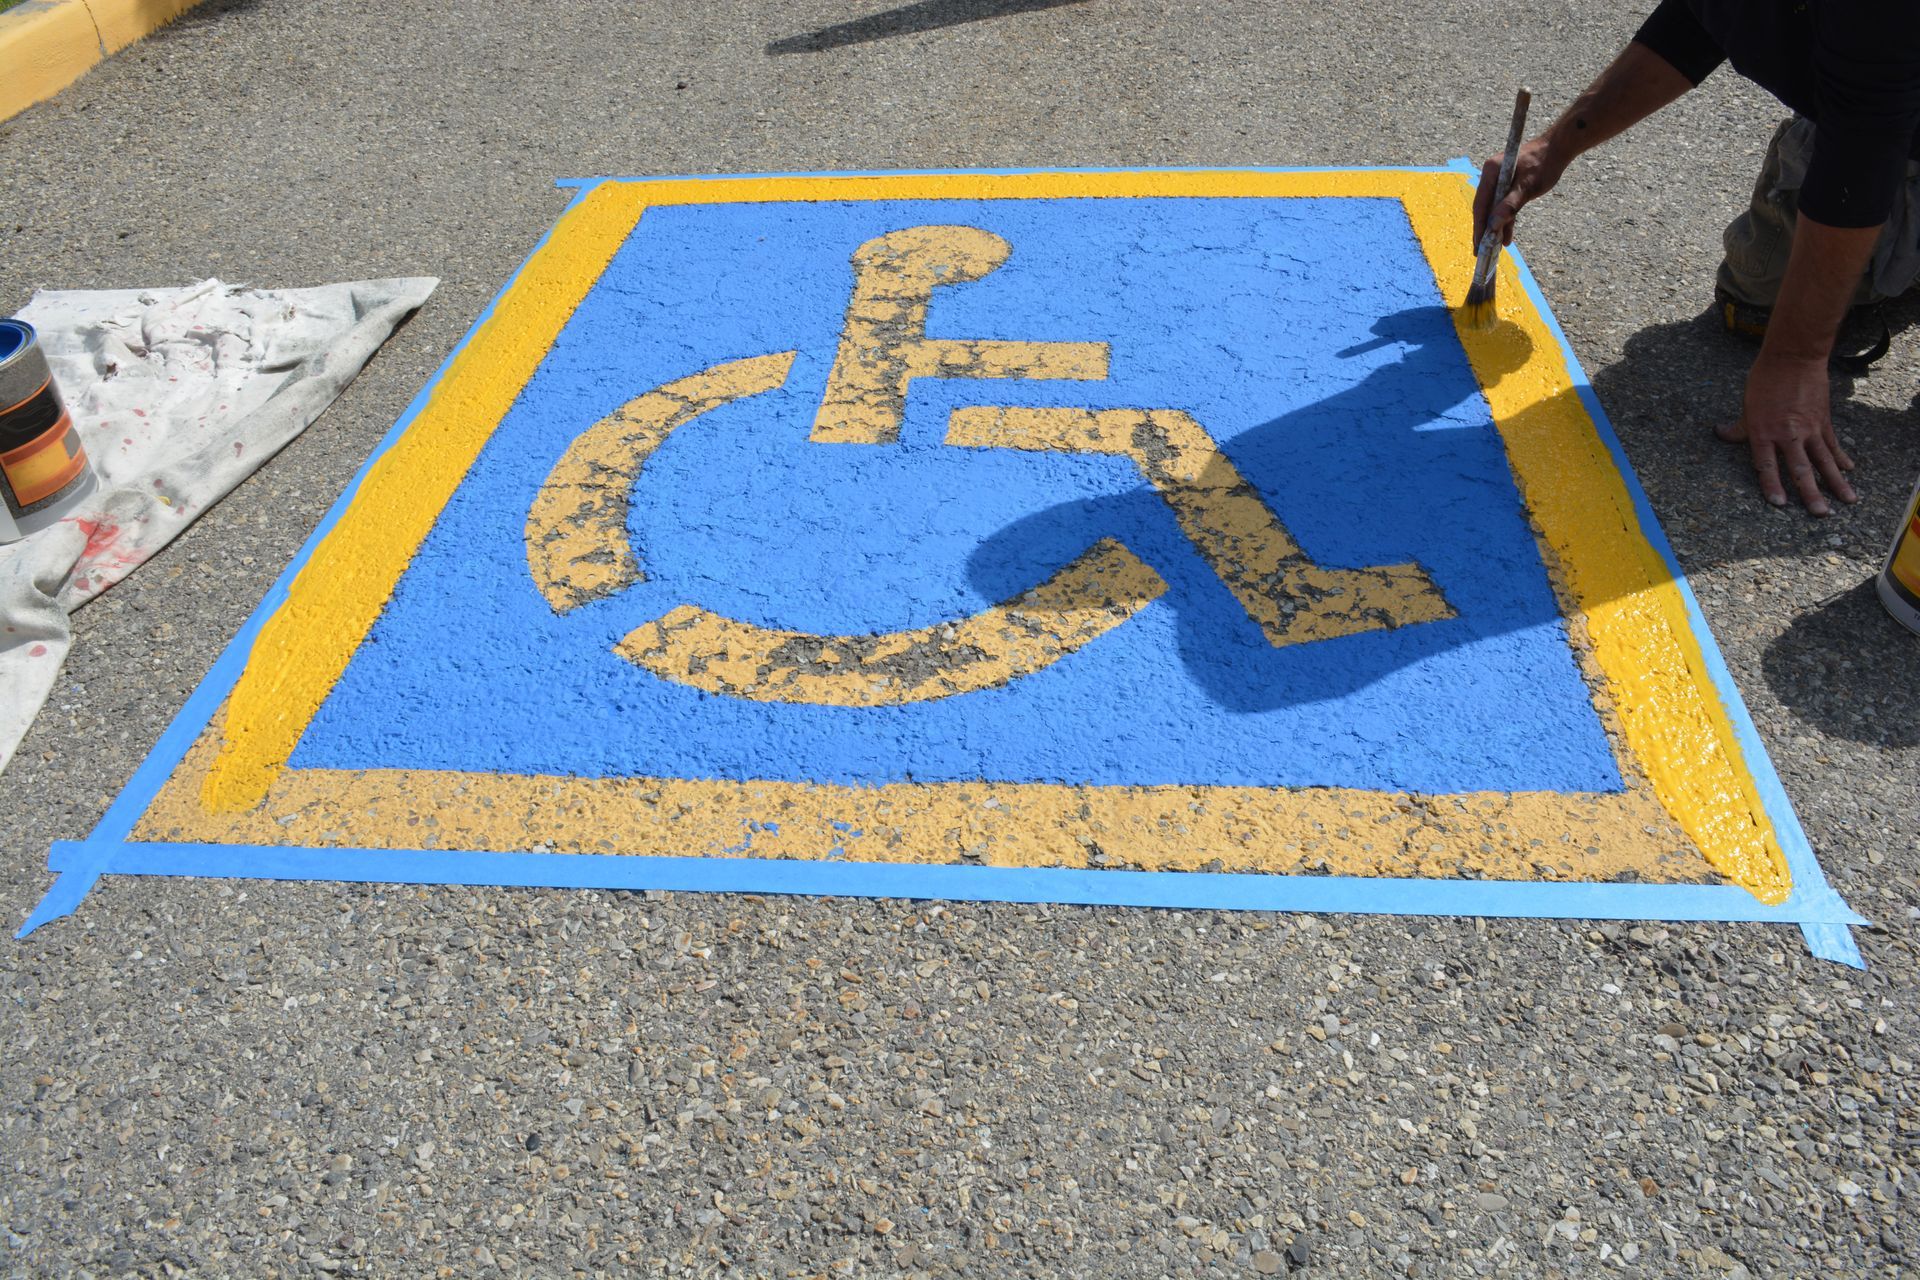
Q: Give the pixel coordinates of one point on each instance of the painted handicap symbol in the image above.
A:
(578, 547)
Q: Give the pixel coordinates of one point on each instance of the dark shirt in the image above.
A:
(1850, 66)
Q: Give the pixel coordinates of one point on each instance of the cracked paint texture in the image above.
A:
(1199, 359)
(1235, 313)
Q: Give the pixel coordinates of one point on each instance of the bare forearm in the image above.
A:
(1787, 418)
(1823, 271)
(1635, 85)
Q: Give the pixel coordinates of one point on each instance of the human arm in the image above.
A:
(1786, 417)
(1866, 61)
(1635, 85)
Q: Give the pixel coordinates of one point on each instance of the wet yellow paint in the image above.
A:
(305, 644)
(1293, 599)
(1319, 831)
(1091, 596)
(577, 545)
(884, 344)
(1674, 733)
(1642, 640)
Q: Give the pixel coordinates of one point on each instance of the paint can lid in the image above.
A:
(15, 335)
(23, 366)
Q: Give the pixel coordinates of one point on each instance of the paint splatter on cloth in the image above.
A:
(179, 395)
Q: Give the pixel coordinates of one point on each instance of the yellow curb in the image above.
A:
(45, 45)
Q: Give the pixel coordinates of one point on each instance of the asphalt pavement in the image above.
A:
(248, 1079)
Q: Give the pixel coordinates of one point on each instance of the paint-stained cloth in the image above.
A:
(179, 395)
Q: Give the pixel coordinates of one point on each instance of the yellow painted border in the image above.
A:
(1676, 732)
(1528, 835)
(45, 45)
(305, 645)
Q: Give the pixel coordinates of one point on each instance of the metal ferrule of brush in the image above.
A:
(1483, 265)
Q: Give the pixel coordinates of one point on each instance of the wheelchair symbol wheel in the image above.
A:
(578, 548)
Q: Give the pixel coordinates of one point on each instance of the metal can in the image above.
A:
(1899, 580)
(43, 468)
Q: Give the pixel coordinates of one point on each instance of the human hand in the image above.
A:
(1536, 170)
(1786, 421)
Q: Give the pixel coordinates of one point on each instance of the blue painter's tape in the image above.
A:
(1809, 881)
(1167, 889)
(63, 898)
(565, 183)
(1833, 941)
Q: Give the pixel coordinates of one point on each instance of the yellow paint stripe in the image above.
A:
(1674, 725)
(1098, 591)
(331, 603)
(1385, 184)
(1328, 831)
(1642, 638)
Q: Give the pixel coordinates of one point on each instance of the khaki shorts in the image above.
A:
(1758, 241)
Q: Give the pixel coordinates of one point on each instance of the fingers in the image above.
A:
(1483, 198)
(1808, 466)
(1833, 447)
(1500, 217)
(1508, 211)
(1767, 468)
(1827, 460)
(1806, 478)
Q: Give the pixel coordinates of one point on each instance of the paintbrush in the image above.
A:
(1479, 305)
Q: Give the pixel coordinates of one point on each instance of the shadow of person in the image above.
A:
(1431, 348)
(1674, 383)
(909, 19)
(1415, 427)
(1845, 668)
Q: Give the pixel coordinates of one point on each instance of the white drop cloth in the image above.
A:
(178, 395)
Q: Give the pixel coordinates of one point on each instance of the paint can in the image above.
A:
(1899, 580)
(43, 469)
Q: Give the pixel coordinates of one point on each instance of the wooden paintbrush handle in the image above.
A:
(1490, 239)
(1521, 101)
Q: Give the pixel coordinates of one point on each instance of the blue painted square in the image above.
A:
(1306, 335)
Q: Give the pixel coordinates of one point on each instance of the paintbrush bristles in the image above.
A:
(1479, 312)
(1481, 291)
(1478, 308)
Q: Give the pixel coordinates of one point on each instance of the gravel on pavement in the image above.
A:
(226, 1078)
